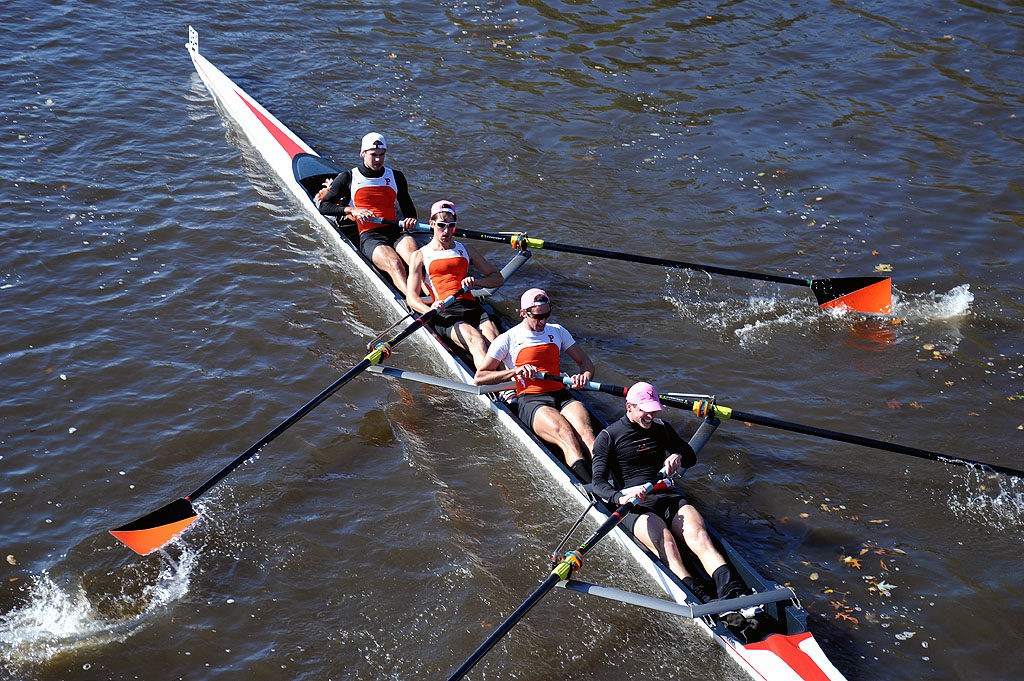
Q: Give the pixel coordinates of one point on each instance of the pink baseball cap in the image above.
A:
(443, 206)
(534, 296)
(644, 396)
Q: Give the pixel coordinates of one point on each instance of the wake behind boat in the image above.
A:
(788, 653)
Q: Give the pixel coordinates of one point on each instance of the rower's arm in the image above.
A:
(337, 197)
(414, 283)
(490, 276)
(488, 373)
(583, 361)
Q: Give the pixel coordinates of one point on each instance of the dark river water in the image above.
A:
(164, 303)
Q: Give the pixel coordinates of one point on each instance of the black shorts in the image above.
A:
(468, 311)
(529, 404)
(665, 505)
(387, 235)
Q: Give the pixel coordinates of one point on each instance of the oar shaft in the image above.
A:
(563, 570)
(736, 415)
(530, 242)
(862, 441)
(377, 355)
(539, 593)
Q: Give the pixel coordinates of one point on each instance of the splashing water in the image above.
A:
(990, 499)
(932, 306)
(58, 618)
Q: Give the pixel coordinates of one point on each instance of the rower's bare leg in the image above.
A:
(552, 427)
(689, 525)
(490, 331)
(465, 336)
(576, 414)
(405, 247)
(386, 259)
(656, 535)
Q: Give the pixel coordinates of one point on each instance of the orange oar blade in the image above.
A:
(153, 530)
(872, 295)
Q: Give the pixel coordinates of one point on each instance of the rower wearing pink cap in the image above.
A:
(369, 191)
(629, 453)
(443, 264)
(536, 345)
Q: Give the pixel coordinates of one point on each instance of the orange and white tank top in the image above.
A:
(542, 349)
(446, 269)
(376, 193)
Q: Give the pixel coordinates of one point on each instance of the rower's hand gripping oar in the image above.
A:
(707, 407)
(563, 570)
(871, 295)
(153, 530)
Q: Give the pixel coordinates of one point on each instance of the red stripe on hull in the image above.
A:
(787, 648)
(286, 142)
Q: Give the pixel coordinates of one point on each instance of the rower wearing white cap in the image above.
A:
(444, 263)
(371, 190)
(535, 345)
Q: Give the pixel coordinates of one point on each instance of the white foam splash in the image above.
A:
(932, 306)
(991, 499)
(58, 618)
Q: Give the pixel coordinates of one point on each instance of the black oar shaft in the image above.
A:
(771, 422)
(542, 590)
(632, 257)
(563, 570)
(530, 242)
(284, 425)
(373, 358)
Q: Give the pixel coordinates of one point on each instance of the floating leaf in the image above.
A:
(928, 346)
(850, 560)
(848, 618)
(893, 404)
(885, 587)
(11, 560)
(916, 405)
(883, 267)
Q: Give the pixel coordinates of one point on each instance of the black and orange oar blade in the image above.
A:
(155, 529)
(863, 294)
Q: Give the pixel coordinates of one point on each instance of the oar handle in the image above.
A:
(380, 352)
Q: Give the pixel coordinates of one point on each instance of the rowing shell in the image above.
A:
(791, 654)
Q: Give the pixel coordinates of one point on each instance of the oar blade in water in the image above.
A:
(153, 530)
(872, 295)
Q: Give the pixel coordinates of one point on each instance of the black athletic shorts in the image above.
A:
(386, 235)
(461, 310)
(665, 505)
(529, 404)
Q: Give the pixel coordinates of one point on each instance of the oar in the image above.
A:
(153, 530)
(572, 561)
(872, 295)
(700, 407)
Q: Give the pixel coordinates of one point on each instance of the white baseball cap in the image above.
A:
(373, 140)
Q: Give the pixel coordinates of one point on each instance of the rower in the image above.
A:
(445, 264)
(370, 191)
(535, 345)
(629, 453)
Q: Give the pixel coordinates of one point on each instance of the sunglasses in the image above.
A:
(444, 225)
(539, 315)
